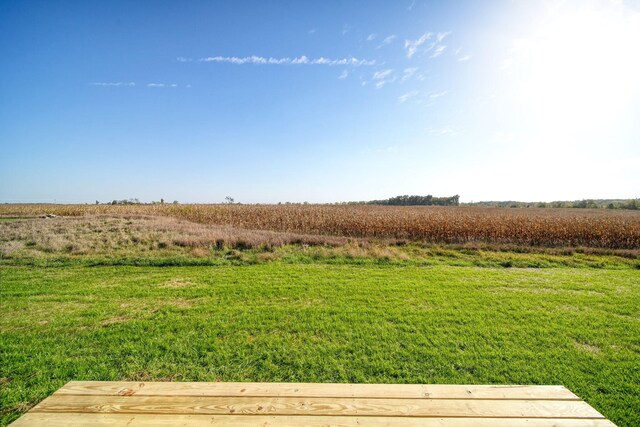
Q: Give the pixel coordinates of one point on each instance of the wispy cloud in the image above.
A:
(405, 97)
(371, 36)
(300, 60)
(345, 29)
(462, 57)
(379, 75)
(413, 3)
(312, 31)
(408, 73)
(441, 36)
(343, 75)
(114, 84)
(382, 77)
(438, 51)
(435, 95)
(438, 47)
(387, 40)
(132, 84)
(442, 131)
(412, 46)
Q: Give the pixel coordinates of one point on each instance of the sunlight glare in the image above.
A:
(580, 69)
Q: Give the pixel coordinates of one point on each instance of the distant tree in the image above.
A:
(161, 201)
(229, 200)
(97, 202)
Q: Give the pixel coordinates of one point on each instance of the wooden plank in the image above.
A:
(407, 391)
(136, 420)
(212, 405)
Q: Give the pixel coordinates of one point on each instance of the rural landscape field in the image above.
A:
(321, 293)
(385, 213)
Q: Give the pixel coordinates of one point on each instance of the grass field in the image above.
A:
(101, 298)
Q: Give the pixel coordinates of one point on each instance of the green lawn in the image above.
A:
(322, 322)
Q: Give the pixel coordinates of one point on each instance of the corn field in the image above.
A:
(598, 228)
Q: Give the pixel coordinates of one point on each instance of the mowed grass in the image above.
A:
(322, 322)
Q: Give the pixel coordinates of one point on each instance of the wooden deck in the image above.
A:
(91, 403)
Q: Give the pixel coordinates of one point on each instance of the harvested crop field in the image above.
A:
(596, 228)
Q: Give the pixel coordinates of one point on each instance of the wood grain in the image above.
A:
(318, 406)
(89, 403)
(406, 391)
(136, 420)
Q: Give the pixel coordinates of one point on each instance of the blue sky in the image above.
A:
(269, 101)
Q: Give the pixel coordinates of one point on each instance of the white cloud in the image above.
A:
(462, 57)
(300, 60)
(387, 41)
(381, 78)
(438, 51)
(412, 45)
(312, 31)
(114, 84)
(343, 75)
(380, 75)
(441, 36)
(162, 85)
(371, 36)
(345, 29)
(435, 95)
(408, 73)
(405, 97)
(442, 131)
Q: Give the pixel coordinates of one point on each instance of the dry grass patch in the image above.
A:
(200, 252)
(99, 235)
(589, 348)
(180, 303)
(176, 283)
(115, 320)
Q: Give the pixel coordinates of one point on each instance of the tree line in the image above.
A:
(632, 204)
(413, 200)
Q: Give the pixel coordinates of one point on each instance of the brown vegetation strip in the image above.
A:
(527, 227)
